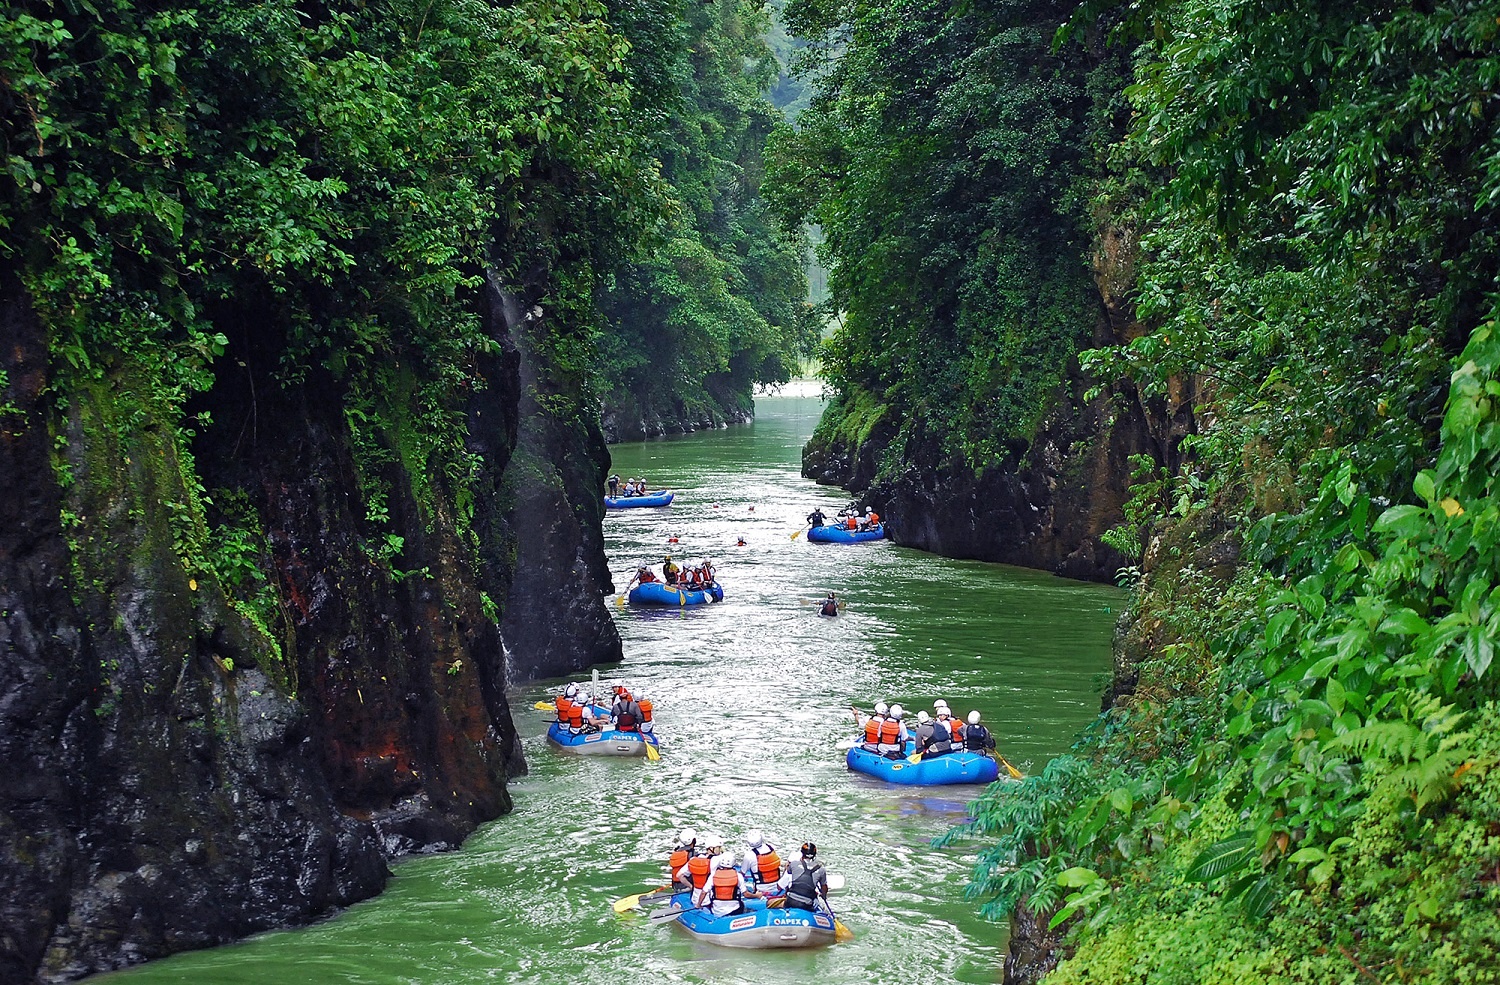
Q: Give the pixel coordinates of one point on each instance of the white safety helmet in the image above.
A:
(896, 711)
(923, 717)
(939, 703)
(571, 691)
(726, 859)
(713, 840)
(687, 837)
(973, 718)
(880, 708)
(755, 838)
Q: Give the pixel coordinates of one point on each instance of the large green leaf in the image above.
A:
(1222, 858)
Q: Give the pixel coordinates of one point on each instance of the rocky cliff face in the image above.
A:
(187, 764)
(632, 417)
(1047, 504)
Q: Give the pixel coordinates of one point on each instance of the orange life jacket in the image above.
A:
(678, 860)
(851, 523)
(872, 729)
(645, 710)
(874, 518)
(767, 866)
(647, 577)
(890, 731)
(698, 871)
(726, 884)
(569, 712)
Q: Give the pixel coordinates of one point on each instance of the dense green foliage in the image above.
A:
(716, 304)
(323, 189)
(945, 157)
(1302, 785)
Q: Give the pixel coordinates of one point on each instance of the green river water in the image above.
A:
(752, 695)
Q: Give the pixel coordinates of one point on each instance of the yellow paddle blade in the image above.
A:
(651, 753)
(1015, 774)
(796, 535)
(627, 903)
(544, 706)
(915, 757)
(620, 600)
(841, 933)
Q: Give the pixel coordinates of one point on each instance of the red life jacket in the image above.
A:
(767, 865)
(872, 729)
(726, 884)
(890, 731)
(698, 871)
(851, 523)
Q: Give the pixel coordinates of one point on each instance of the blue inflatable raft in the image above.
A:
(655, 593)
(663, 498)
(759, 926)
(609, 742)
(952, 767)
(830, 533)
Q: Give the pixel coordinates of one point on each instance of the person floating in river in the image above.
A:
(805, 880)
(830, 606)
(740, 542)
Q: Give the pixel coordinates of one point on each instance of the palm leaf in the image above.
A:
(1259, 898)
(1222, 858)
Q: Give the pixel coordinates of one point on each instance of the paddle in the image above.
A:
(651, 752)
(1015, 774)
(666, 916)
(545, 706)
(631, 902)
(844, 745)
(840, 932)
(799, 533)
(620, 599)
